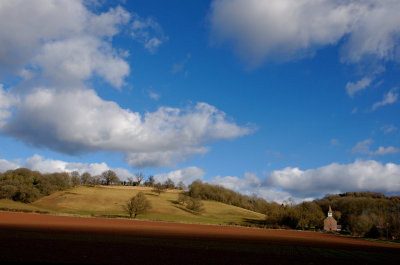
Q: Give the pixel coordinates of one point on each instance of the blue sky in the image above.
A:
(275, 98)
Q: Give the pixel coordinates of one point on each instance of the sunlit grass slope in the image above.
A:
(17, 206)
(108, 201)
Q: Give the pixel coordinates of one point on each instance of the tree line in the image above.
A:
(27, 185)
(359, 213)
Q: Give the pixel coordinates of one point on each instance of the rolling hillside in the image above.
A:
(107, 201)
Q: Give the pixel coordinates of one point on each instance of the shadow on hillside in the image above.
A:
(253, 222)
(110, 216)
(176, 204)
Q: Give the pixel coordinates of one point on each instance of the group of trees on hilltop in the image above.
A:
(27, 186)
(205, 191)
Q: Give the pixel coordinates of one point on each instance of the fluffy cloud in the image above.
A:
(389, 98)
(56, 47)
(7, 165)
(364, 148)
(335, 178)
(186, 175)
(68, 62)
(49, 37)
(287, 29)
(162, 138)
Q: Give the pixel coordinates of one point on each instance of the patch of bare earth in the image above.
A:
(27, 238)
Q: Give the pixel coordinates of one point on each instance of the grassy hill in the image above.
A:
(108, 201)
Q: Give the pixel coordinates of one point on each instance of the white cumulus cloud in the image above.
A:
(161, 138)
(287, 29)
(51, 37)
(336, 178)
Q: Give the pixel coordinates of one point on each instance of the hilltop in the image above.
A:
(107, 201)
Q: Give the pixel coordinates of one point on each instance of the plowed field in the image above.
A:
(27, 238)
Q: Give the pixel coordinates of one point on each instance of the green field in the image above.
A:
(107, 201)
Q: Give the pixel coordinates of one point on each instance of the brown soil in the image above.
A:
(30, 238)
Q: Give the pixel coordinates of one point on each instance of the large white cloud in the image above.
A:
(51, 31)
(79, 121)
(56, 47)
(287, 29)
(335, 178)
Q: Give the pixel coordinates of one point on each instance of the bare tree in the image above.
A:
(158, 188)
(110, 177)
(150, 182)
(181, 185)
(130, 181)
(139, 178)
(96, 180)
(86, 178)
(137, 204)
(75, 178)
(169, 184)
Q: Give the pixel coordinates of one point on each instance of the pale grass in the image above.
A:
(109, 200)
(13, 205)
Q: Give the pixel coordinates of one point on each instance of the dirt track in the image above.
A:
(41, 238)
